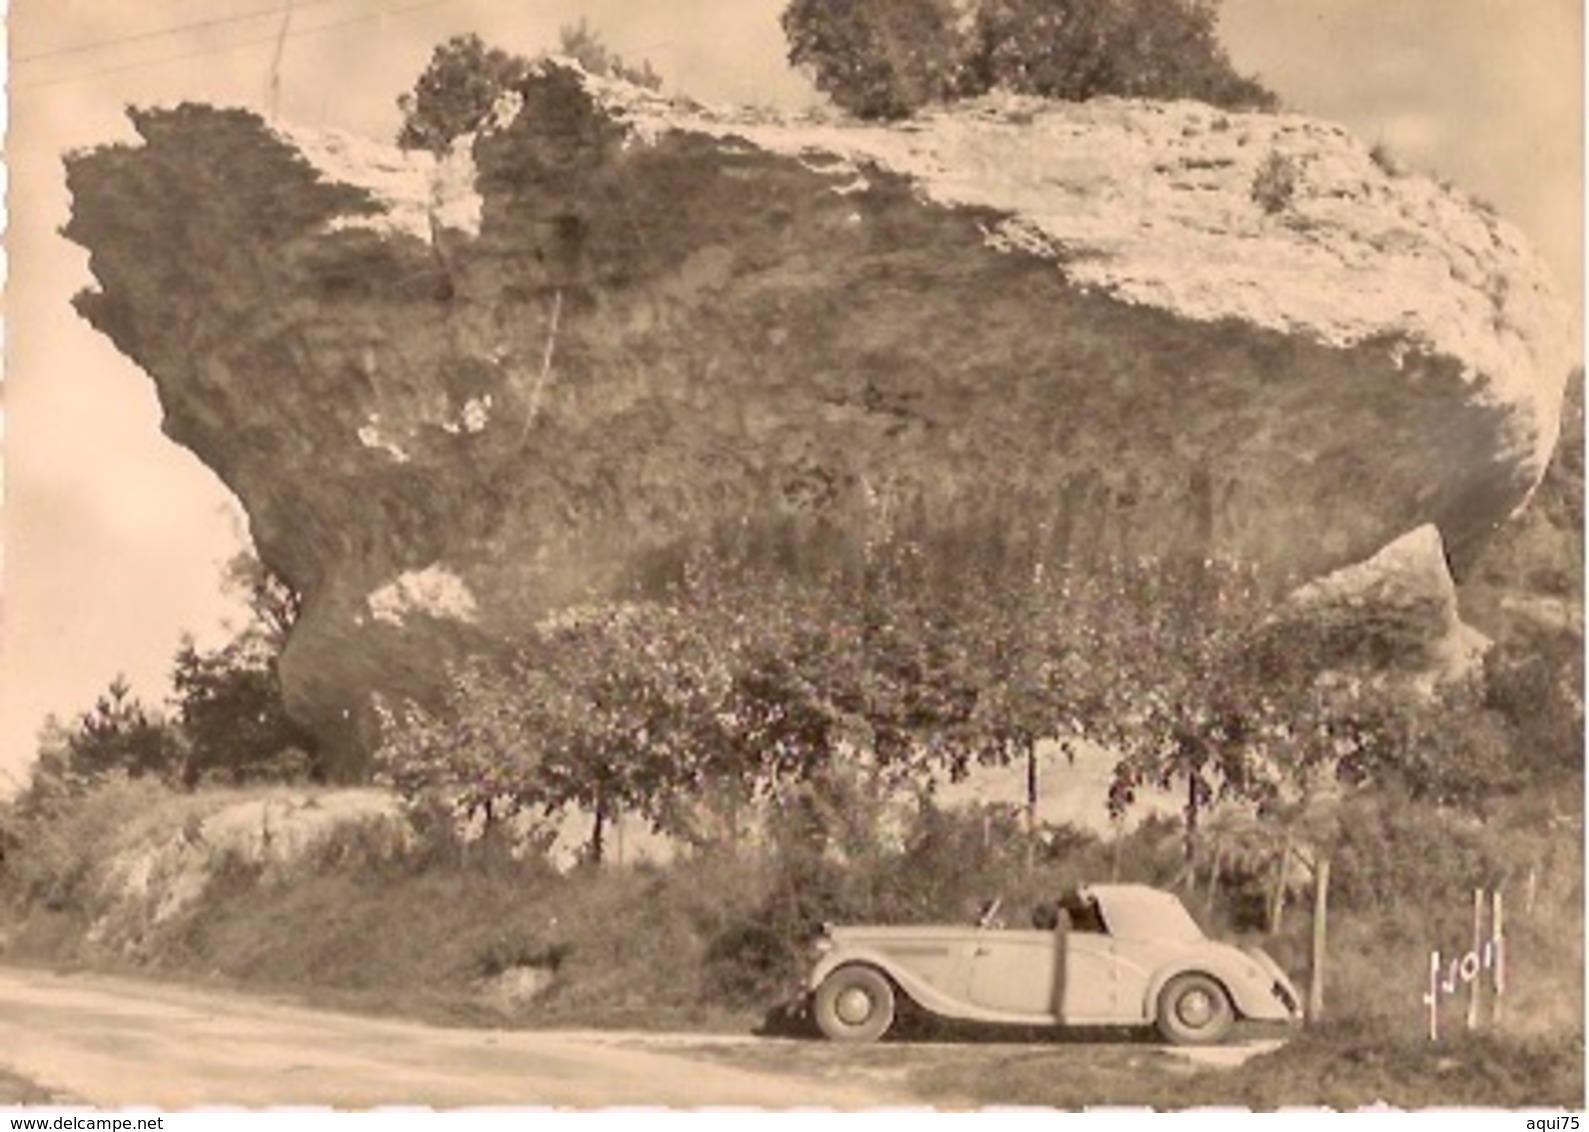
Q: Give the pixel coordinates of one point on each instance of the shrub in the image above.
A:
(1275, 184)
(878, 58)
(890, 58)
(456, 92)
(1081, 49)
(1381, 156)
(58, 848)
(459, 89)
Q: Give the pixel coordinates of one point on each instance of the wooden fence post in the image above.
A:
(1277, 898)
(1213, 877)
(1321, 904)
(1031, 808)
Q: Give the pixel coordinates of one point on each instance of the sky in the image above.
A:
(113, 537)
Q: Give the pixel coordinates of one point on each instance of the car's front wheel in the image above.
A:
(854, 1004)
(1195, 1010)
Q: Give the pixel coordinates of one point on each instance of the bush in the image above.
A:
(1081, 49)
(1275, 184)
(878, 58)
(459, 89)
(889, 58)
(57, 849)
(456, 92)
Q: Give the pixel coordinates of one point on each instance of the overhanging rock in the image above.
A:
(454, 395)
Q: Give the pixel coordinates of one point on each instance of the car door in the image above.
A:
(1015, 972)
(1091, 982)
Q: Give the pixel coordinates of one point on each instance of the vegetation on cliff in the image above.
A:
(890, 58)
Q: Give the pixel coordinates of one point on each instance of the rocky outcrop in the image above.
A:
(454, 395)
(268, 836)
(1397, 612)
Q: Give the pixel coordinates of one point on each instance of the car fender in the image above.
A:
(1250, 986)
(922, 993)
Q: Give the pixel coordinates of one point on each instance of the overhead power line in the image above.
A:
(174, 29)
(234, 46)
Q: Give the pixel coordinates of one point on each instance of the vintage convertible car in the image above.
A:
(1106, 955)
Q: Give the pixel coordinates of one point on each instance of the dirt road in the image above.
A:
(116, 1042)
(121, 1042)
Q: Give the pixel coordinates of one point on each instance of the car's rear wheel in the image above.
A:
(1194, 1009)
(855, 1004)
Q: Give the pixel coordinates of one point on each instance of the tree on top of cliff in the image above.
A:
(1080, 49)
(456, 92)
(889, 58)
(458, 89)
(877, 58)
(582, 43)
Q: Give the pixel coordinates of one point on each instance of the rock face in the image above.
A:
(454, 395)
(1398, 610)
(147, 883)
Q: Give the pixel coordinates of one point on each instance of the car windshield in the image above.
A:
(1145, 913)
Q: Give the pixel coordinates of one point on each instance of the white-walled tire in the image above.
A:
(854, 1004)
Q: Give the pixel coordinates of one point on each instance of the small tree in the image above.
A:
(231, 711)
(120, 734)
(1181, 717)
(607, 708)
(229, 700)
(471, 756)
(1081, 49)
(583, 45)
(890, 58)
(273, 605)
(457, 92)
(621, 704)
(459, 89)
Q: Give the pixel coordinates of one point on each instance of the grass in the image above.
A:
(1339, 1067)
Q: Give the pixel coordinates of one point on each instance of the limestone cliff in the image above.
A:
(452, 395)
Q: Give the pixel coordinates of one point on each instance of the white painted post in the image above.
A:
(1478, 950)
(1433, 997)
(1498, 937)
(1321, 905)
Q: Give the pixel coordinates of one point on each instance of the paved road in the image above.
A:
(118, 1042)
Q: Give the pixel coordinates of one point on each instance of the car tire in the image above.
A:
(1194, 1009)
(854, 1004)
